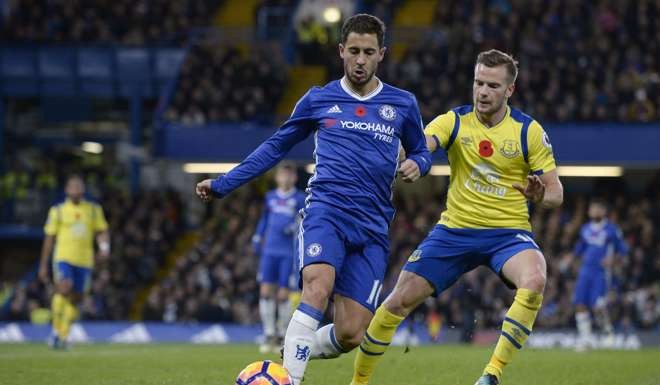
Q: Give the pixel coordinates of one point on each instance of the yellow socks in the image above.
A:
(516, 328)
(70, 315)
(57, 308)
(375, 342)
(64, 314)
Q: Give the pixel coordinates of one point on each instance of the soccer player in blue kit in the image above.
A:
(274, 242)
(359, 123)
(599, 241)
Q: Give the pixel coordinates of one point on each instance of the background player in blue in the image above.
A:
(358, 124)
(599, 241)
(273, 241)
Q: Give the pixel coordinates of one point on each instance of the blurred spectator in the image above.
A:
(312, 37)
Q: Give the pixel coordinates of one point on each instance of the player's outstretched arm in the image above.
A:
(268, 154)
(545, 190)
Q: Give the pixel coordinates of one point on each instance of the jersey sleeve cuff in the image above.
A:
(423, 164)
(437, 141)
(216, 188)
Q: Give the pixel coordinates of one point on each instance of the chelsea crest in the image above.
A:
(387, 112)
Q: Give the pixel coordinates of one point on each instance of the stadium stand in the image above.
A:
(223, 84)
(125, 22)
(216, 280)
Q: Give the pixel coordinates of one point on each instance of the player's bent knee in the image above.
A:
(266, 290)
(316, 293)
(76, 298)
(282, 295)
(349, 338)
(534, 281)
(410, 291)
(64, 287)
(318, 282)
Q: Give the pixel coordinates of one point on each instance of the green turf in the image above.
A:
(439, 365)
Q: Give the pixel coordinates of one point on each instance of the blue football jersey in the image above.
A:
(277, 226)
(597, 241)
(357, 141)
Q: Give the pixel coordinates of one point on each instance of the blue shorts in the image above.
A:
(448, 253)
(81, 277)
(275, 269)
(591, 286)
(358, 255)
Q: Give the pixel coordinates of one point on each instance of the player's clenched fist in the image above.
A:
(203, 190)
(409, 171)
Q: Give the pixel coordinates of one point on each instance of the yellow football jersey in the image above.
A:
(485, 162)
(74, 227)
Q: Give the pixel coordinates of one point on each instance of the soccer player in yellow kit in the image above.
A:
(71, 227)
(500, 159)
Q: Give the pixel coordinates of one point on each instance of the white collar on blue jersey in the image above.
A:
(596, 226)
(349, 91)
(285, 194)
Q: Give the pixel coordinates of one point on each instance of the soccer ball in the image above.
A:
(264, 373)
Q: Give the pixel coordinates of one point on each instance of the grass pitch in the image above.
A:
(32, 364)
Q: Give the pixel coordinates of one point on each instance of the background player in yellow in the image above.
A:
(71, 227)
(500, 160)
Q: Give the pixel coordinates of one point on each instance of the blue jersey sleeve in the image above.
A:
(413, 140)
(257, 238)
(581, 245)
(268, 154)
(620, 245)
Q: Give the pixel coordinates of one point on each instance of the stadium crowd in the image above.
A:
(106, 21)
(571, 69)
(216, 280)
(223, 84)
(585, 61)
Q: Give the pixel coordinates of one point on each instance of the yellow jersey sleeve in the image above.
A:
(540, 149)
(52, 223)
(100, 224)
(441, 127)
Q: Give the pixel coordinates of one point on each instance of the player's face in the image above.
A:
(597, 211)
(75, 189)
(491, 88)
(361, 56)
(285, 178)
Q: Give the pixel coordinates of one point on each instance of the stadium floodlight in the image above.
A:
(92, 147)
(590, 171)
(332, 15)
(208, 168)
(564, 171)
(439, 170)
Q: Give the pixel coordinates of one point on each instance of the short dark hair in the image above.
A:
(287, 165)
(600, 202)
(494, 58)
(363, 23)
(72, 177)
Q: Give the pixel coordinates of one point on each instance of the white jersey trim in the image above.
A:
(350, 92)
